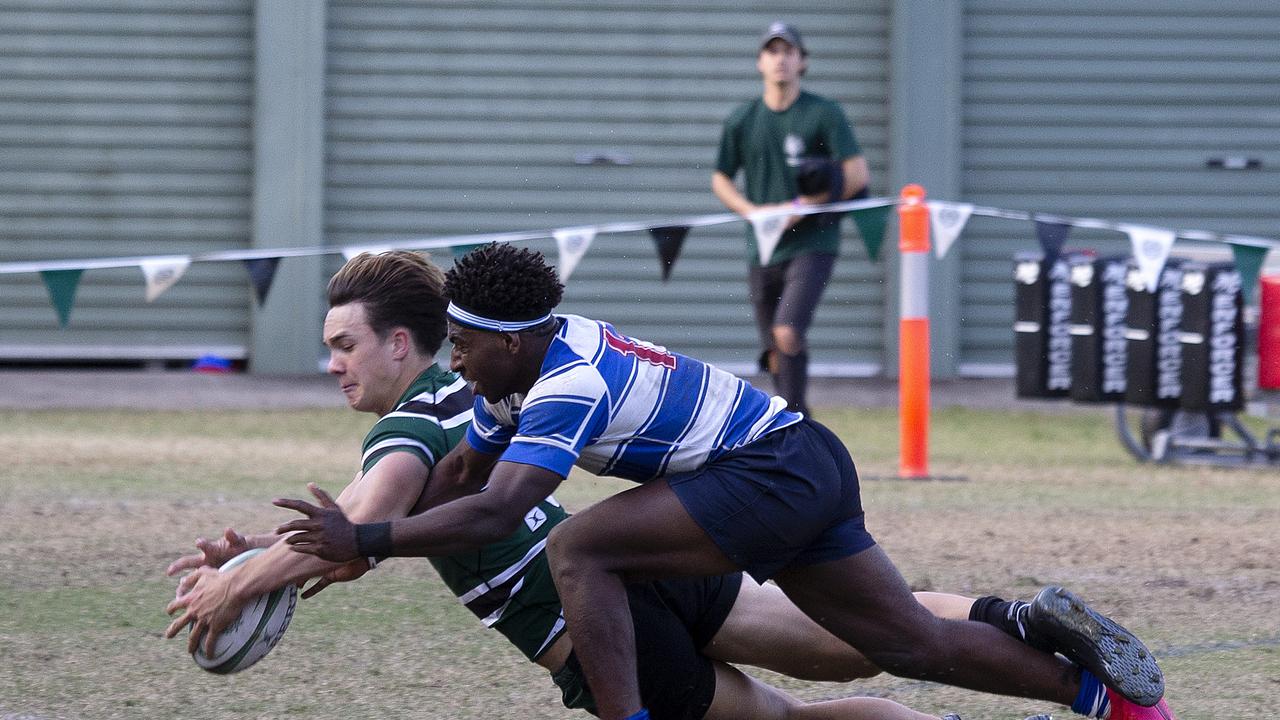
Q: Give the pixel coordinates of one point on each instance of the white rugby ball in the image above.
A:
(261, 624)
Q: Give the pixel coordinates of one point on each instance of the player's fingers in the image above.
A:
(195, 636)
(188, 582)
(210, 640)
(321, 495)
(177, 625)
(316, 587)
(301, 506)
(186, 562)
(233, 537)
(304, 548)
(299, 525)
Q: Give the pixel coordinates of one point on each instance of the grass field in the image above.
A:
(93, 505)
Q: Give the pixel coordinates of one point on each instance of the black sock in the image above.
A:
(1009, 616)
(793, 379)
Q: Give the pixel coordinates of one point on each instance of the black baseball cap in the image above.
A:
(779, 29)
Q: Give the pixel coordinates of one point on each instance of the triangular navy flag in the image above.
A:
(1052, 236)
(261, 272)
(62, 286)
(669, 240)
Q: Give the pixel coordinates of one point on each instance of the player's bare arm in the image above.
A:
(457, 526)
(213, 600)
(464, 471)
(856, 176)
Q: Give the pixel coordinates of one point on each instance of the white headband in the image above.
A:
(480, 322)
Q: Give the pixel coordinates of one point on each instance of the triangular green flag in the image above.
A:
(871, 222)
(1249, 259)
(62, 286)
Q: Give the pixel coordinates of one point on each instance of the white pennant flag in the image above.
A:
(769, 231)
(1151, 249)
(572, 244)
(949, 220)
(162, 273)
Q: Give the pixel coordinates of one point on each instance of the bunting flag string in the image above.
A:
(1151, 245)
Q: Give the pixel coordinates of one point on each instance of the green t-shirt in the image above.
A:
(769, 148)
(507, 584)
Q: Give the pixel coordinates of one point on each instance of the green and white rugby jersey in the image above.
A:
(507, 584)
(429, 419)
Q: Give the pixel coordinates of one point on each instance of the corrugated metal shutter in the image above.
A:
(469, 117)
(1114, 110)
(124, 130)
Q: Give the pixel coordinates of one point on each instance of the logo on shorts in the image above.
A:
(535, 519)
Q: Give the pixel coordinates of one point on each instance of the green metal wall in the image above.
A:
(124, 130)
(460, 118)
(1111, 109)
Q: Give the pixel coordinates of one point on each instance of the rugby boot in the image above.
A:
(1098, 643)
(1122, 709)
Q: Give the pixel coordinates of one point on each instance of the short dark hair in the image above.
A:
(399, 289)
(503, 282)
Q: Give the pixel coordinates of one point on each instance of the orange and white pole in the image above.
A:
(913, 334)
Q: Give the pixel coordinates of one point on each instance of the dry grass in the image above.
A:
(93, 505)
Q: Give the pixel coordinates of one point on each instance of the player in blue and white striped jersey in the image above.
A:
(729, 480)
(619, 407)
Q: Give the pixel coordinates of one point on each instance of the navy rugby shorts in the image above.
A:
(674, 620)
(788, 499)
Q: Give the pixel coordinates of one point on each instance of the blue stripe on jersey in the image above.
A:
(689, 425)
(608, 469)
(632, 410)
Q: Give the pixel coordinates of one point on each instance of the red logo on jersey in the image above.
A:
(651, 355)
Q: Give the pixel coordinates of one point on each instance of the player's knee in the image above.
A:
(914, 653)
(568, 549)
(788, 340)
(901, 659)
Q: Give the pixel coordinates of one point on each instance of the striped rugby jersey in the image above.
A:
(507, 584)
(618, 406)
(429, 419)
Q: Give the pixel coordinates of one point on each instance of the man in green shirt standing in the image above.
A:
(792, 148)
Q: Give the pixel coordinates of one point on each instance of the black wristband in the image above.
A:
(374, 539)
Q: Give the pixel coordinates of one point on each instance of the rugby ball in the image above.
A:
(261, 624)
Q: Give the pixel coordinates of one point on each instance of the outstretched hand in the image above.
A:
(325, 532)
(213, 553)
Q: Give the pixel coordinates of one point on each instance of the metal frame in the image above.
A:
(1180, 437)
